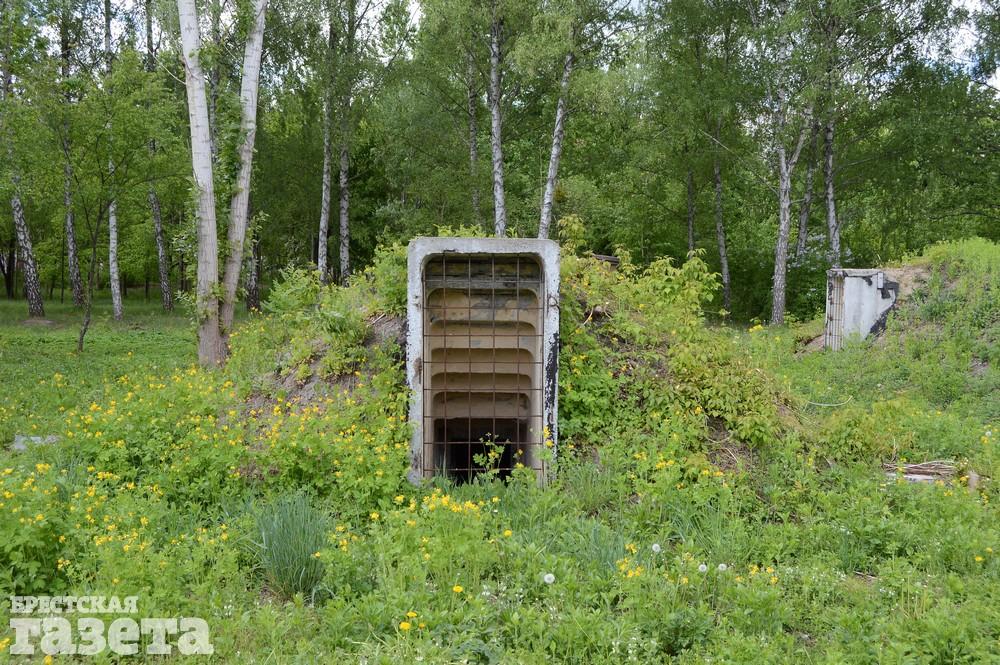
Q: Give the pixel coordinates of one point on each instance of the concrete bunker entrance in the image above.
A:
(482, 350)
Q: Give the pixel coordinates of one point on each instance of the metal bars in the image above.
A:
(834, 332)
(482, 364)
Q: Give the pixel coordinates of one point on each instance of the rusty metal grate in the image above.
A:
(834, 333)
(482, 364)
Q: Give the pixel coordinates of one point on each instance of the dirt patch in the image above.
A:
(910, 278)
(39, 323)
(725, 451)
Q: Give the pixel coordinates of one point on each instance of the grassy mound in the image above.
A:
(707, 503)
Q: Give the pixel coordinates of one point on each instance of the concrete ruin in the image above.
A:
(857, 304)
(482, 355)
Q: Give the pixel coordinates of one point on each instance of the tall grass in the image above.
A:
(290, 533)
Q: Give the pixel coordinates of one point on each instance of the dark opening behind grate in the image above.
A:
(482, 368)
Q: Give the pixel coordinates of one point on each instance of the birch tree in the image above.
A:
(162, 261)
(66, 20)
(496, 45)
(211, 350)
(114, 278)
(240, 203)
(11, 19)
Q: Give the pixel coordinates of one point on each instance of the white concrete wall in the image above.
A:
(867, 296)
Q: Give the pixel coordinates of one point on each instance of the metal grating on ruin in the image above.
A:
(482, 357)
(834, 331)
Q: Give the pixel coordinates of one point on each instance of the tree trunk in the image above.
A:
(7, 260)
(113, 276)
(496, 141)
(470, 74)
(73, 260)
(832, 225)
(162, 260)
(324, 208)
(239, 205)
(806, 208)
(210, 348)
(114, 279)
(253, 277)
(323, 249)
(215, 19)
(690, 209)
(32, 285)
(786, 165)
(720, 235)
(557, 143)
(345, 203)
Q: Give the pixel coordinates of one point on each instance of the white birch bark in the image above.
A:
(345, 204)
(240, 202)
(720, 235)
(210, 349)
(473, 108)
(32, 285)
(72, 257)
(114, 278)
(805, 209)
(832, 224)
(558, 133)
(786, 165)
(324, 208)
(496, 133)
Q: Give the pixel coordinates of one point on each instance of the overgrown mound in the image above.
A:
(702, 508)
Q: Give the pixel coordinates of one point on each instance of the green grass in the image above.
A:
(43, 374)
(734, 515)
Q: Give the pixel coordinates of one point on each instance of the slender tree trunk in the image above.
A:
(327, 192)
(253, 277)
(720, 235)
(323, 250)
(239, 206)
(805, 209)
(210, 347)
(163, 262)
(496, 141)
(215, 19)
(832, 225)
(690, 209)
(557, 144)
(91, 279)
(786, 165)
(32, 285)
(345, 204)
(5, 266)
(73, 260)
(473, 108)
(113, 276)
